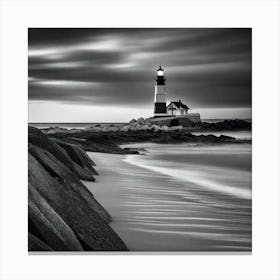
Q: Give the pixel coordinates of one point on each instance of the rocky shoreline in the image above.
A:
(147, 125)
(108, 138)
(63, 215)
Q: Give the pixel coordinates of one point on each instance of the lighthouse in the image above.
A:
(160, 94)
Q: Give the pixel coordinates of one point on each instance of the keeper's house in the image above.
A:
(177, 108)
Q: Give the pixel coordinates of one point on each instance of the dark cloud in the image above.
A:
(205, 67)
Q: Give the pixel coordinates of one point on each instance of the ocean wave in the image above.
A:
(199, 178)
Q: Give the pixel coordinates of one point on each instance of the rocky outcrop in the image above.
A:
(71, 156)
(226, 125)
(62, 214)
(154, 124)
(82, 162)
(44, 223)
(95, 144)
(36, 244)
(108, 142)
(107, 138)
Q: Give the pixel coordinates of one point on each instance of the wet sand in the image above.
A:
(153, 211)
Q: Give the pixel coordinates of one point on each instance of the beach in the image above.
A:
(178, 197)
(141, 187)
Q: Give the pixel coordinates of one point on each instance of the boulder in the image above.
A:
(36, 244)
(63, 214)
(61, 173)
(76, 154)
(226, 125)
(37, 138)
(141, 121)
(69, 154)
(132, 121)
(48, 225)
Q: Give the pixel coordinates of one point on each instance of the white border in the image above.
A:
(262, 16)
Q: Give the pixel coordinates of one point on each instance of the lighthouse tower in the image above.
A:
(160, 94)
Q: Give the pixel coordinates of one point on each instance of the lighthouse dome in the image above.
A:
(160, 71)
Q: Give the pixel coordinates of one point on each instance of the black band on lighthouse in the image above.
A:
(160, 80)
(160, 108)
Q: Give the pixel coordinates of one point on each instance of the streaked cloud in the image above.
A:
(205, 67)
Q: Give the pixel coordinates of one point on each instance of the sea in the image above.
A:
(72, 125)
(179, 197)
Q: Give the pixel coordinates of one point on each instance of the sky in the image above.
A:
(108, 75)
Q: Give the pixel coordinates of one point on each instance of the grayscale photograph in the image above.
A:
(140, 140)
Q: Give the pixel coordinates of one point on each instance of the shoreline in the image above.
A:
(63, 157)
(131, 199)
(110, 141)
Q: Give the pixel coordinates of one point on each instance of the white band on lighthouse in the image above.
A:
(160, 93)
(161, 98)
(160, 89)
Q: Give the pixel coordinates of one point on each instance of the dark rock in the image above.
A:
(97, 144)
(36, 244)
(70, 204)
(226, 125)
(109, 141)
(63, 214)
(70, 155)
(81, 161)
(37, 138)
(64, 176)
(225, 137)
(76, 154)
(85, 174)
(48, 225)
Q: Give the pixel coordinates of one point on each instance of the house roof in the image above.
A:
(179, 104)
